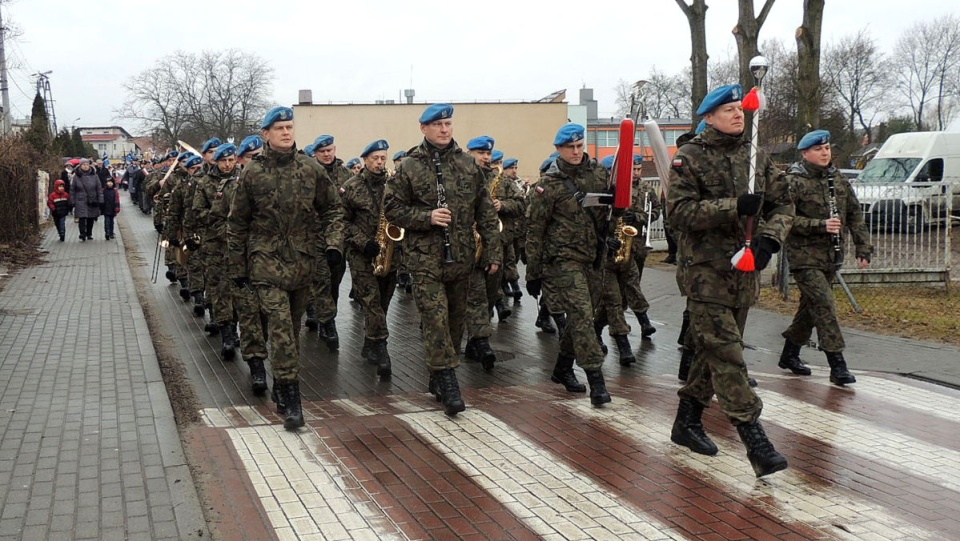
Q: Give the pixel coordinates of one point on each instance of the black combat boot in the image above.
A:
(598, 389)
(686, 361)
(790, 359)
(367, 351)
(312, 322)
(211, 328)
(684, 325)
(543, 321)
(258, 378)
(688, 429)
(503, 311)
(199, 306)
(517, 294)
(839, 374)
(505, 287)
(450, 392)
(383, 358)
(561, 321)
(564, 375)
(293, 417)
(478, 349)
(763, 457)
(171, 274)
(623, 347)
(328, 333)
(434, 386)
(599, 329)
(227, 345)
(184, 293)
(646, 328)
(278, 398)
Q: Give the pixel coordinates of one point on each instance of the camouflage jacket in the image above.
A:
(362, 198)
(220, 208)
(709, 173)
(201, 218)
(809, 245)
(181, 198)
(410, 197)
(337, 172)
(558, 228)
(284, 207)
(640, 194)
(514, 206)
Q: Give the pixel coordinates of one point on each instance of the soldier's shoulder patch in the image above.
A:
(678, 162)
(540, 189)
(343, 190)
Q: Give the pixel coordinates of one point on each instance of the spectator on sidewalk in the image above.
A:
(110, 208)
(87, 194)
(59, 203)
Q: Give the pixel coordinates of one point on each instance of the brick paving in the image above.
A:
(378, 459)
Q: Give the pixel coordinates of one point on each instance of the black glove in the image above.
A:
(192, 245)
(613, 244)
(764, 248)
(371, 249)
(748, 204)
(534, 287)
(630, 217)
(334, 257)
(159, 228)
(241, 281)
(174, 242)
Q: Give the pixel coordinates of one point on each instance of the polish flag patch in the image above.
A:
(539, 189)
(677, 162)
(342, 190)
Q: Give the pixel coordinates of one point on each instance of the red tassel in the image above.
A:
(744, 261)
(751, 102)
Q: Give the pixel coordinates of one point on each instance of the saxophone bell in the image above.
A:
(625, 234)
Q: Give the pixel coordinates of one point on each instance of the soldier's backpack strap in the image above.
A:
(577, 194)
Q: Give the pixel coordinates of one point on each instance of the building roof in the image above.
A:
(99, 137)
(118, 128)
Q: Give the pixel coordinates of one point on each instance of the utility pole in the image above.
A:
(43, 88)
(6, 123)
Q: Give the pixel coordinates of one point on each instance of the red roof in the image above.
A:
(100, 137)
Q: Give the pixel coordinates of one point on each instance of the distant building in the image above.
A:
(112, 141)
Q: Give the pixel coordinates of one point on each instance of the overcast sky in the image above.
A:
(363, 51)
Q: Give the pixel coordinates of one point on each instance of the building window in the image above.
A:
(608, 138)
(641, 135)
(102, 147)
(591, 137)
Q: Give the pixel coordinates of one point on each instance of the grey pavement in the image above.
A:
(89, 447)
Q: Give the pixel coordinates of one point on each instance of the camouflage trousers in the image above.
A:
(510, 252)
(718, 366)
(195, 265)
(253, 321)
(373, 293)
(818, 308)
(219, 288)
(575, 288)
(441, 297)
(283, 310)
(325, 292)
(633, 297)
(483, 291)
(621, 289)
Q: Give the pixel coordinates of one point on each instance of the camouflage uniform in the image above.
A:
(708, 175)
(283, 202)
(484, 288)
(440, 288)
(161, 195)
(362, 198)
(810, 251)
(512, 214)
(326, 291)
(181, 199)
(562, 245)
(213, 243)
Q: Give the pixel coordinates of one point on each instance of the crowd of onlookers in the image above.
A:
(88, 190)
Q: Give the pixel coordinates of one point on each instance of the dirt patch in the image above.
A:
(17, 256)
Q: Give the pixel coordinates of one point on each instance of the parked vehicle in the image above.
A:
(913, 181)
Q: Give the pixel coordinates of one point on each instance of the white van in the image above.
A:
(912, 182)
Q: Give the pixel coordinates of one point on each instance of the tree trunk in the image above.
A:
(747, 34)
(809, 93)
(697, 18)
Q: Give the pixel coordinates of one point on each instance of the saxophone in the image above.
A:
(494, 185)
(387, 236)
(625, 234)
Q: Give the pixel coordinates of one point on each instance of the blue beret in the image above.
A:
(249, 144)
(322, 141)
(210, 144)
(546, 164)
(275, 114)
(380, 144)
(509, 162)
(353, 163)
(184, 155)
(496, 156)
(400, 155)
(484, 142)
(701, 126)
(569, 133)
(720, 96)
(193, 161)
(225, 151)
(308, 150)
(171, 154)
(436, 112)
(637, 159)
(607, 162)
(814, 138)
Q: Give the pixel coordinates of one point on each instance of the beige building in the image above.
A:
(522, 130)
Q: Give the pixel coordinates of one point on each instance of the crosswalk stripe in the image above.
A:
(302, 487)
(785, 495)
(549, 497)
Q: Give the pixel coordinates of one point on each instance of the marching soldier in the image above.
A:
(208, 150)
(437, 196)
(710, 203)
(164, 200)
(157, 201)
(282, 204)
(365, 242)
(323, 308)
(512, 212)
(633, 296)
(250, 147)
(397, 158)
(563, 247)
(181, 198)
(826, 203)
(354, 166)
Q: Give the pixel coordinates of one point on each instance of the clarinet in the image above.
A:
(835, 238)
(442, 203)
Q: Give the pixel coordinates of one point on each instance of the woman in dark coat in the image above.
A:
(87, 195)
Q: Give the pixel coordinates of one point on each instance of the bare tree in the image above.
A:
(924, 59)
(197, 96)
(781, 91)
(696, 13)
(747, 34)
(723, 72)
(809, 95)
(857, 76)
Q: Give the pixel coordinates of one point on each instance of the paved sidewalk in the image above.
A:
(88, 444)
